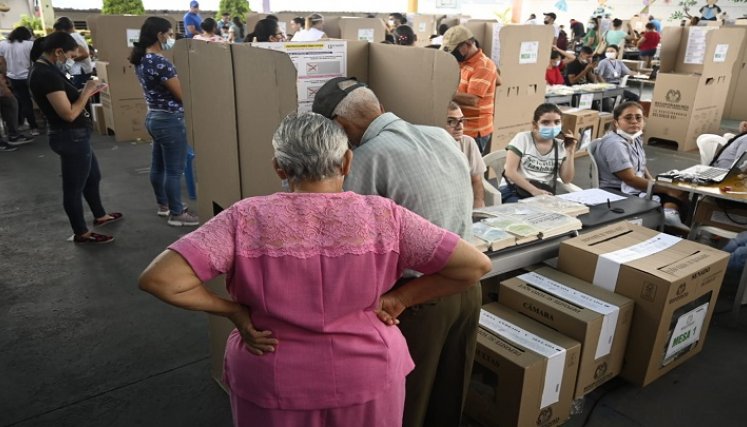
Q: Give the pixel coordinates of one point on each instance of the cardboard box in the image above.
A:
(605, 124)
(126, 118)
(521, 53)
(721, 214)
(535, 367)
(99, 121)
(600, 320)
(233, 160)
(122, 80)
(424, 27)
(674, 283)
(363, 29)
(693, 83)
(113, 35)
(581, 123)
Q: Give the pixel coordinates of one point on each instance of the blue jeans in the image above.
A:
(483, 143)
(169, 157)
(508, 194)
(737, 248)
(80, 174)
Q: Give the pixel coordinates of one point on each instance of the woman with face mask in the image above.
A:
(70, 134)
(591, 38)
(622, 163)
(165, 119)
(536, 158)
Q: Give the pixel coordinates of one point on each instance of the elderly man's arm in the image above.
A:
(478, 192)
(171, 279)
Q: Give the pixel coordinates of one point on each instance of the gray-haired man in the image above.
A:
(421, 169)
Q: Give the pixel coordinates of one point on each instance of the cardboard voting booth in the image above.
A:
(521, 53)
(258, 87)
(692, 84)
(674, 283)
(123, 102)
(363, 29)
(736, 107)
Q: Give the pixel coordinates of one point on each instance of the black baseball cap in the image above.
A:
(551, 15)
(330, 95)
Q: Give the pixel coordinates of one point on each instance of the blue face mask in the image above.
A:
(549, 132)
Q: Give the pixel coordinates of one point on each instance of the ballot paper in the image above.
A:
(592, 197)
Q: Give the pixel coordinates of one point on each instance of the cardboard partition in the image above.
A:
(605, 125)
(216, 146)
(99, 121)
(121, 78)
(674, 283)
(332, 26)
(522, 53)
(529, 371)
(424, 27)
(363, 29)
(233, 143)
(719, 213)
(112, 35)
(736, 107)
(419, 97)
(583, 124)
(598, 319)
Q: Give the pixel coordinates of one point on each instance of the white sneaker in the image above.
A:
(163, 210)
(672, 219)
(186, 219)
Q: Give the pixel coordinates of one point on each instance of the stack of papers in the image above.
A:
(518, 223)
(592, 197)
(557, 204)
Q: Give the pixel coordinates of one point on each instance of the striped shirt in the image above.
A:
(478, 77)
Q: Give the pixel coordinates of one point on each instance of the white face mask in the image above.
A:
(69, 63)
(629, 136)
(556, 63)
(169, 44)
(610, 55)
(591, 26)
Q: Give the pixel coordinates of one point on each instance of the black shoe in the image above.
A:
(19, 140)
(7, 148)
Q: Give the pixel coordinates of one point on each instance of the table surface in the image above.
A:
(737, 183)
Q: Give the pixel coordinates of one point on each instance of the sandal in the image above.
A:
(93, 238)
(115, 216)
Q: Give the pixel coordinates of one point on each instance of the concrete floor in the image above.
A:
(80, 345)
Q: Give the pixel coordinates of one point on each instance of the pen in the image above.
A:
(608, 204)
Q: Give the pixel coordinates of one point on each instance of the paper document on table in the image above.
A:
(592, 197)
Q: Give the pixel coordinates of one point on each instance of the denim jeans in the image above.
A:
(508, 194)
(26, 107)
(80, 174)
(483, 143)
(169, 157)
(9, 114)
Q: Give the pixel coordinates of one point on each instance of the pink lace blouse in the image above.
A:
(312, 267)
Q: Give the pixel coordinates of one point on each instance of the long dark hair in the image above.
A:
(149, 32)
(59, 40)
(263, 30)
(404, 36)
(19, 34)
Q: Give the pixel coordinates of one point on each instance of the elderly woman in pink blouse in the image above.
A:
(314, 270)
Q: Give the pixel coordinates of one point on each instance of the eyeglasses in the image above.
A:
(633, 118)
(454, 122)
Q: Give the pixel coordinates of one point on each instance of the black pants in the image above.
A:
(25, 106)
(9, 114)
(80, 174)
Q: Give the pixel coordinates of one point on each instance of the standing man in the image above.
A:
(478, 79)
(550, 20)
(192, 20)
(421, 169)
(81, 68)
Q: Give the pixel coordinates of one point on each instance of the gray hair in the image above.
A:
(361, 102)
(309, 147)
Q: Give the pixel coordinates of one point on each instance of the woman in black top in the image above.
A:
(70, 135)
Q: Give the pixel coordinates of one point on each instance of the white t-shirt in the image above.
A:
(18, 57)
(556, 28)
(468, 146)
(310, 35)
(85, 66)
(532, 164)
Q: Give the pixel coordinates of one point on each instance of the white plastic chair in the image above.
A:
(593, 167)
(495, 161)
(708, 144)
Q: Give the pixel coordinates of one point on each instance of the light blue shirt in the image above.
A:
(419, 167)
